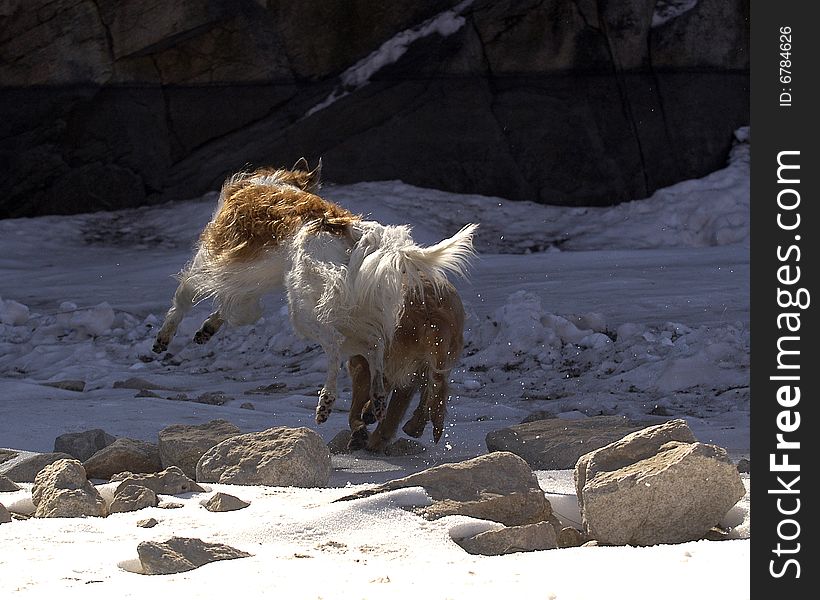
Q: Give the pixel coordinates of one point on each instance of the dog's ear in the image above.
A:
(314, 181)
(301, 165)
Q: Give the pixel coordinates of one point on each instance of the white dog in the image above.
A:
(346, 279)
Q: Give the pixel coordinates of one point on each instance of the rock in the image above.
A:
(62, 489)
(7, 485)
(178, 555)
(170, 505)
(497, 487)
(72, 385)
(6, 454)
(147, 523)
(213, 398)
(538, 415)
(184, 445)
(129, 73)
(524, 538)
(221, 502)
(651, 488)
(128, 498)
(5, 515)
(124, 454)
(744, 466)
(146, 394)
(558, 443)
(569, 537)
(338, 445)
(138, 383)
(170, 481)
(83, 445)
(281, 456)
(26, 467)
(590, 544)
(404, 447)
(247, 406)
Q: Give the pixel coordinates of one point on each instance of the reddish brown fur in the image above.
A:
(428, 342)
(254, 217)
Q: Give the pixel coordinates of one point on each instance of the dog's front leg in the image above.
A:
(327, 395)
(209, 327)
(378, 392)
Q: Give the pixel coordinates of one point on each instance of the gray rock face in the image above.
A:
(25, 469)
(178, 555)
(7, 485)
(498, 487)
(281, 456)
(184, 445)
(652, 489)
(5, 515)
(62, 490)
(338, 445)
(128, 498)
(221, 502)
(170, 481)
(124, 454)
(558, 443)
(83, 445)
(524, 538)
(608, 103)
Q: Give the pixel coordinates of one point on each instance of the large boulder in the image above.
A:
(178, 555)
(25, 466)
(82, 445)
(281, 456)
(546, 100)
(650, 488)
(497, 487)
(124, 454)
(128, 498)
(558, 443)
(184, 445)
(62, 490)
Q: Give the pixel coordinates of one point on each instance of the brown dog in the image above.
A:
(427, 344)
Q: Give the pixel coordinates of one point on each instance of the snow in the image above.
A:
(640, 309)
(444, 24)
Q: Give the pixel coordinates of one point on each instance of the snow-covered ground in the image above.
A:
(641, 309)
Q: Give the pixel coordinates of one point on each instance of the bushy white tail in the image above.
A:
(385, 264)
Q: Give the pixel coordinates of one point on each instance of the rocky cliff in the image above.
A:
(114, 103)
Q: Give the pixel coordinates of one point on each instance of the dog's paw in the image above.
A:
(367, 414)
(414, 427)
(326, 400)
(379, 406)
(358, 439)
(202, 336)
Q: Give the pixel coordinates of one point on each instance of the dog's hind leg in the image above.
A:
(414, 427)
(360, 378)
(386, 430)
(436, 401)
(209, 327)
(182, 303)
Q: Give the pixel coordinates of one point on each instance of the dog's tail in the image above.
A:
(452, 255)
(385, 264)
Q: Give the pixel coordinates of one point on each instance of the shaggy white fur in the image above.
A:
(351, 304)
